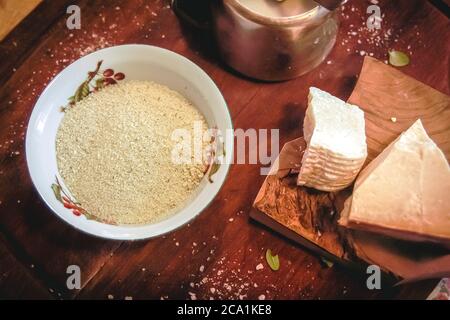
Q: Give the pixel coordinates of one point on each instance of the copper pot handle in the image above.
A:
(331, 4)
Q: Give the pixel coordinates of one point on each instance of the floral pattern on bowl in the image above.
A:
(96, 80)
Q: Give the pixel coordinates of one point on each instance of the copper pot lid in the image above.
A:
(276, 9)
(284, 12)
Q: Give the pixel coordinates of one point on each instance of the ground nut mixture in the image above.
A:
(114, 152)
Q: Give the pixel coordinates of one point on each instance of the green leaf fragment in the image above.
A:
(99, 83)
(326, 262)
(82, 91)
(214, 168)
(272, 261)
(57, 191)
(85, 89)
(398, 58)
(89, 216)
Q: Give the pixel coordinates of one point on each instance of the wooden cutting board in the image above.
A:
(392, 102)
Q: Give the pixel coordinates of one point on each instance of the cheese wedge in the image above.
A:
(336, 142)
(404, 192)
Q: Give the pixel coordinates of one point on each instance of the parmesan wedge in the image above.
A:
(404, 192)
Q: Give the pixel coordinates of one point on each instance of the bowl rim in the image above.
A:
(227, 163)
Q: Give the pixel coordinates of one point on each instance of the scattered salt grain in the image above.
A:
(259, 266)
(262, 297)
(192, 295)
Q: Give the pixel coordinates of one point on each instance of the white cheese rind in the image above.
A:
(336, 143)
(404, 192)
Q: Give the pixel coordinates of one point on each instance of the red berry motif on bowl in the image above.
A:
(71, 204)
(108, 73)
(67, 201)
(96, 80)
(119, 76)
(109, 77)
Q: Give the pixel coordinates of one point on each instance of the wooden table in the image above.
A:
(217, 254)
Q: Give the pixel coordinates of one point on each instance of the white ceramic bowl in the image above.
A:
(140, 62)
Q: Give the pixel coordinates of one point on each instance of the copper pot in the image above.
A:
(274, 40)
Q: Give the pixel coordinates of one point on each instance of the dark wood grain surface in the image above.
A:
(217, 254)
